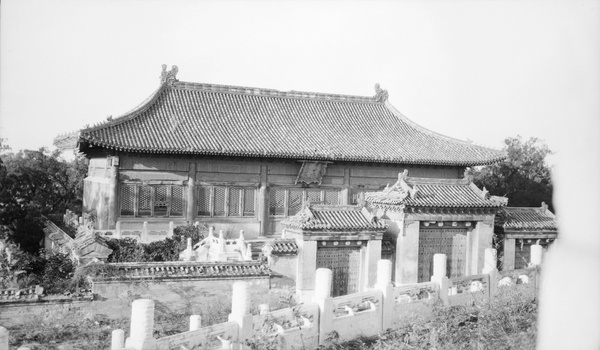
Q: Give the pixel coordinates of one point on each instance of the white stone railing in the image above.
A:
(317, 318)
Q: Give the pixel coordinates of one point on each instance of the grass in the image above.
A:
(508, 323)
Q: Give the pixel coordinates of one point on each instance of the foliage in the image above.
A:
(129, 250)
(34, 183)
(58, 273)
(524, 177)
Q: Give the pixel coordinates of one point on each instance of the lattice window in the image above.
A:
(177, 201)
(295, 201)
(127, 200)
(313, 196)
(249, 201)
(203, 201)
(331, 197)
(161, 201)
(276, 201)
(219, 201)
(144, 201)
(234, 201)
(356, 196)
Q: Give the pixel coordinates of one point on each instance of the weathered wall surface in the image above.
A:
(113, 299)
(192, 172)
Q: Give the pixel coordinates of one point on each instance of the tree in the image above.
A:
(524, 177)
(35, 183)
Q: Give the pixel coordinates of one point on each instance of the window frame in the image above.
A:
(305, 191)
(136, 200)
(242, 210)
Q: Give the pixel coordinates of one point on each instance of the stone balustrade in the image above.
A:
(306, 326)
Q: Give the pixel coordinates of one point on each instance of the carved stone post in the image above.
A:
(384, 284)
(195, 322)
(439, 276)
(3, 338)
(490, 268)
(142, 326)
(240, 306)
(117, 340)
(536, 254)
(323, 280)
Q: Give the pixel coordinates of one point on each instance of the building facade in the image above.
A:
(242, 158)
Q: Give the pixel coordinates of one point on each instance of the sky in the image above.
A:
(473, 70)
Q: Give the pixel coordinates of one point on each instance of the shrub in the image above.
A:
(58, 273)
(129, 250)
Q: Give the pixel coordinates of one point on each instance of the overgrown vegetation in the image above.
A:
(509, 323)
(129, 250)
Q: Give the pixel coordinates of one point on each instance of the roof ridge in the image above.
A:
(247, 90)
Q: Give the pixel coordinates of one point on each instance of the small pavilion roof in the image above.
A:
(207, 119)
(425, 192)
(529, 219)
(334, 218)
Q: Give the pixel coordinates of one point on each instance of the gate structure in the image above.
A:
(344, 263)
(449, 241)
(343, 238)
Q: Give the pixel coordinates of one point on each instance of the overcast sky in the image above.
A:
(478, 70)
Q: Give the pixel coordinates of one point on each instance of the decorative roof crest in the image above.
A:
(381, 95)
(168, 77)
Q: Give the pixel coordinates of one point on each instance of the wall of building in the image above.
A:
(193, 172)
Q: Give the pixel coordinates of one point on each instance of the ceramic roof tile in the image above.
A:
(282, 247)
(331, 218)
(183, 270)
(421, 192)
(526, 219)
(190, 118)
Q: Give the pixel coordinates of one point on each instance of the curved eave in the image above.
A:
(289, 155)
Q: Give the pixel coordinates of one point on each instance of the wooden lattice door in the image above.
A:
(345, 265)
(449, 241)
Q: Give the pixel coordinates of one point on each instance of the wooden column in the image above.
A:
(113, 193)
(191, 194)
(263, 202)
(345, 195)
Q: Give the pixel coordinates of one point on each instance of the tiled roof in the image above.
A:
(193, 118)
(529, 219)
(422, 192)
(284, 247)
(183, 270)
(334, 217)
(86, 238)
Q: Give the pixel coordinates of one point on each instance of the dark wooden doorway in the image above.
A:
(345, 264)
(440, 240)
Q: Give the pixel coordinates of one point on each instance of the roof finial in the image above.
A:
(381, 95)
(170, 76)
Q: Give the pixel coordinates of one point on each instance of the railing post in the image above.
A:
(118, 340)
(322, 297)
(263, 309)
(490, 268)
(195, 322)
(142, 326)
(3, 338)
(440, 278)
(384, 284)
(536, 254)
(144, 236)
(240, 306)
(171, 229)
(118, 230)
